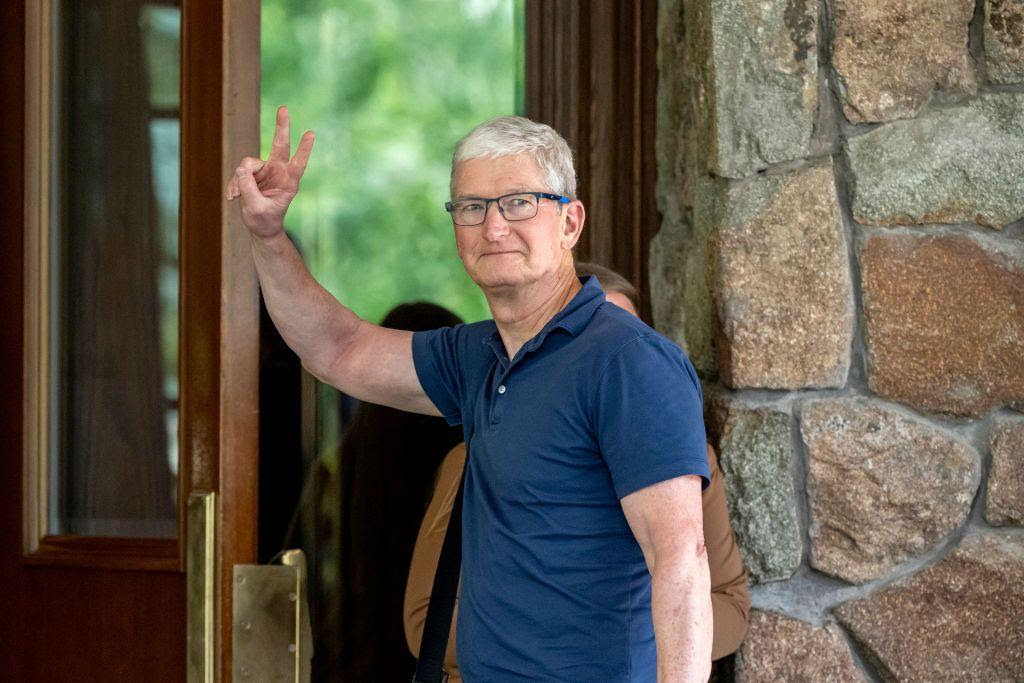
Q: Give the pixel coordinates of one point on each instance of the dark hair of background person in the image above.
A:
(610, 281)
(388, 464)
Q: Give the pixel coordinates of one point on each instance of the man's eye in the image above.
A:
(518, 202)
(475, 206)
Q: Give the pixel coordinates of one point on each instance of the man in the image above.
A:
(730, 601)
(583, 555)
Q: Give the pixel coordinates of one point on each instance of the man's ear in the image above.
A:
(575, 215)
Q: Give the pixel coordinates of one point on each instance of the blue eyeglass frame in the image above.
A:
(448, 206)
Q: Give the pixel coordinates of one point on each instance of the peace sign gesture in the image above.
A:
(267, 187)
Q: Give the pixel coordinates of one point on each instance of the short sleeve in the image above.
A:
(435, 356)
(649, 416)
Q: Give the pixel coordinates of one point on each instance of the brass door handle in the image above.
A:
(201, 564)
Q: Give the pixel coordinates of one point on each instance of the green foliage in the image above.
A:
(388, 86)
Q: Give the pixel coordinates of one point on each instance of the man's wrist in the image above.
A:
(274, 243)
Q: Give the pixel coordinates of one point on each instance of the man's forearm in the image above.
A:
(309, 318)
(681, 608)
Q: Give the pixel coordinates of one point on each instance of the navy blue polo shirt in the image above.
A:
(596, 406)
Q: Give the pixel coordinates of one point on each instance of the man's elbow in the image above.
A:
(339, 362)
(684, 567)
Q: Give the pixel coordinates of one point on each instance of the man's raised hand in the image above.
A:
(267, 187)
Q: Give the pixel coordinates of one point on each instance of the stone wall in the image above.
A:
(842, 257)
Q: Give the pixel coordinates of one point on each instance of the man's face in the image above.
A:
(501, 253)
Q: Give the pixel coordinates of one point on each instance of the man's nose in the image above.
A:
(495, 225)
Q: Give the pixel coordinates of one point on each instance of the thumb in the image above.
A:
(247, 187)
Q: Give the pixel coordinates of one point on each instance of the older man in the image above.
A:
(583, 555)
(730, 601)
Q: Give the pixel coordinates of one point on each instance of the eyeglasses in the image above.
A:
(518, 206)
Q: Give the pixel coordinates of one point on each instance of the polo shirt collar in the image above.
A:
(573, 318)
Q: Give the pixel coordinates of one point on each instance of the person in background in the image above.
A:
(388, 464)
(730, 601)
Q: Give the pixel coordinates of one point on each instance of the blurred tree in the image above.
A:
(388, 86)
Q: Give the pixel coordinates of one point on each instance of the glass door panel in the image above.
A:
(113, 269)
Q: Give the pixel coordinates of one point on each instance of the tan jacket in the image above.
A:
(730, 602)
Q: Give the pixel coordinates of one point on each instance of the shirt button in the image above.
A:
(501, 389)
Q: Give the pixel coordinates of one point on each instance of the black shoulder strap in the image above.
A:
(429, 668)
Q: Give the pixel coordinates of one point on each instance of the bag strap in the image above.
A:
(430, 665)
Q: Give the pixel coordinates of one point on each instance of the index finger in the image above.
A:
(281, 148)
(301, 157)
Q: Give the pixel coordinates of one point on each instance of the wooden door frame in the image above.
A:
(220, 334)
(591, 73)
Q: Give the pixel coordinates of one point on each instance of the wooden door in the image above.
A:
(95, 569)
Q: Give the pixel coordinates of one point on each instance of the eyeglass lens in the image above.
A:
(514, 207)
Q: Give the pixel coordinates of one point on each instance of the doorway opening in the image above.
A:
(388, 86)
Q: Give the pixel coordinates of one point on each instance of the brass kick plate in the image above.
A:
(271, 631)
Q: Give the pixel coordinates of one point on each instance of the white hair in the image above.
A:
(505, 136)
